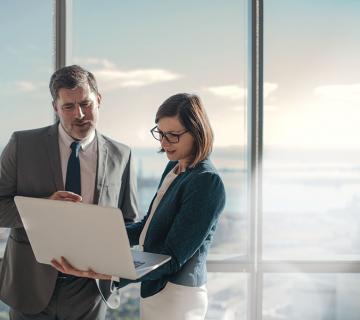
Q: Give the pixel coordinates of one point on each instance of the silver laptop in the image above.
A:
(87, 235)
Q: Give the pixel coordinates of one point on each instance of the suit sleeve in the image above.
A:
(128, 203)
(201, 205)
(9, 216)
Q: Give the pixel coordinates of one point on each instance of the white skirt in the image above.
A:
(175, 302)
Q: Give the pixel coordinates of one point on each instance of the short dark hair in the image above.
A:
(191, 113)
(71, 77)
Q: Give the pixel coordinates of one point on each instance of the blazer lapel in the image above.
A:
(52, 146)
(101, 168)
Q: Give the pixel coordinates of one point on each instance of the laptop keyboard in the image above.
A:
(138, 263)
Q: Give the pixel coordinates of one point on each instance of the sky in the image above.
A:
(142, 52)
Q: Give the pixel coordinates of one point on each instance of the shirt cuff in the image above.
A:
(114, 278)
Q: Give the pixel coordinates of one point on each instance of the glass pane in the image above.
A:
(4, 311)
(311, 296)
(311, 157)
(26, 66)
(129, 307)
(145, 52)
(228, 296)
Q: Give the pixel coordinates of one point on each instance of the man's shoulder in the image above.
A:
(114, 145)
(36, 132)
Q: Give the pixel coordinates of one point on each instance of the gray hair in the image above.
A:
(71, 77)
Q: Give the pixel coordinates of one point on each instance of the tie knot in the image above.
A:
(75, 147)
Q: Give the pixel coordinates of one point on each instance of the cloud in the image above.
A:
(111, 77)
(114, 78)
(269, 88)
(232, 92)
(235, 92)
(105, 63)
(25, 86)
(350, 92)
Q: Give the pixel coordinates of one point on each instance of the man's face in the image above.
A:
(78, 110)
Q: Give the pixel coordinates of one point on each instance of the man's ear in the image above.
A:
(99, 98)
(54, 105)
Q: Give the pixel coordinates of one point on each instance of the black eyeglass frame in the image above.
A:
(165, 134)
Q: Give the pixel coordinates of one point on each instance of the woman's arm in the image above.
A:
(202, 202)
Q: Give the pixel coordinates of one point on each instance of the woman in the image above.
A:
(182, 217)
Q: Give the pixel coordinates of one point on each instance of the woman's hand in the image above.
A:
(65, 267)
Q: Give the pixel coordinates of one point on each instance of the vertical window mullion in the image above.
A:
(62, 33)
(62, 21)
(255, 143)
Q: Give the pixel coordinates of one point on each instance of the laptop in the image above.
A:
(87, 235)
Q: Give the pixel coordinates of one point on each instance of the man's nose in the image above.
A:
(79, 114)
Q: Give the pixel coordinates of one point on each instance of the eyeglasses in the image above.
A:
(169, 136)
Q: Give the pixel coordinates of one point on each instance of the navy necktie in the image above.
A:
(73, 181)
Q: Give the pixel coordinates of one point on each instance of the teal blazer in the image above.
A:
(182, 226)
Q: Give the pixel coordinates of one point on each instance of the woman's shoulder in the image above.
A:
(204, 182)
(205, 173)
(205, 167)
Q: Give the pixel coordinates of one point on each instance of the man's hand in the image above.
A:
(66, 196)
(65, 267)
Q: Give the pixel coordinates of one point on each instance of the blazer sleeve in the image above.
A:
(9, 216)
(128, 203)
(134, 231)
(202, 202)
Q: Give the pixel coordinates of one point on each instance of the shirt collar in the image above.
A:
(67, 140)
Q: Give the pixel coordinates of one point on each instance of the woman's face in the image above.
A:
(181, 151)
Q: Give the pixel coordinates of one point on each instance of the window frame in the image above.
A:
(253, 264)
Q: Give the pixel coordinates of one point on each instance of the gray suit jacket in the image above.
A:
(30, 166)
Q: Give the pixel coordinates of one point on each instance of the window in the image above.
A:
(296, 255)
(311, 296)
(26, 65)
(311, 156)
(143, 52)
(311, 172)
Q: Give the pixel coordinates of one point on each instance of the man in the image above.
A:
(69, 160)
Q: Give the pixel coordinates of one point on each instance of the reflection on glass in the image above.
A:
(26, 66)
(311, 157)
(311, 296)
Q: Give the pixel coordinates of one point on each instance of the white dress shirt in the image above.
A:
(88, 162)
(170, 177)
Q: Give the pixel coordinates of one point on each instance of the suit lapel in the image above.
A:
(52, 146)
(101, 167)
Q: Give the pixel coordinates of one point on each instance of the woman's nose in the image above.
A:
(164, 142)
